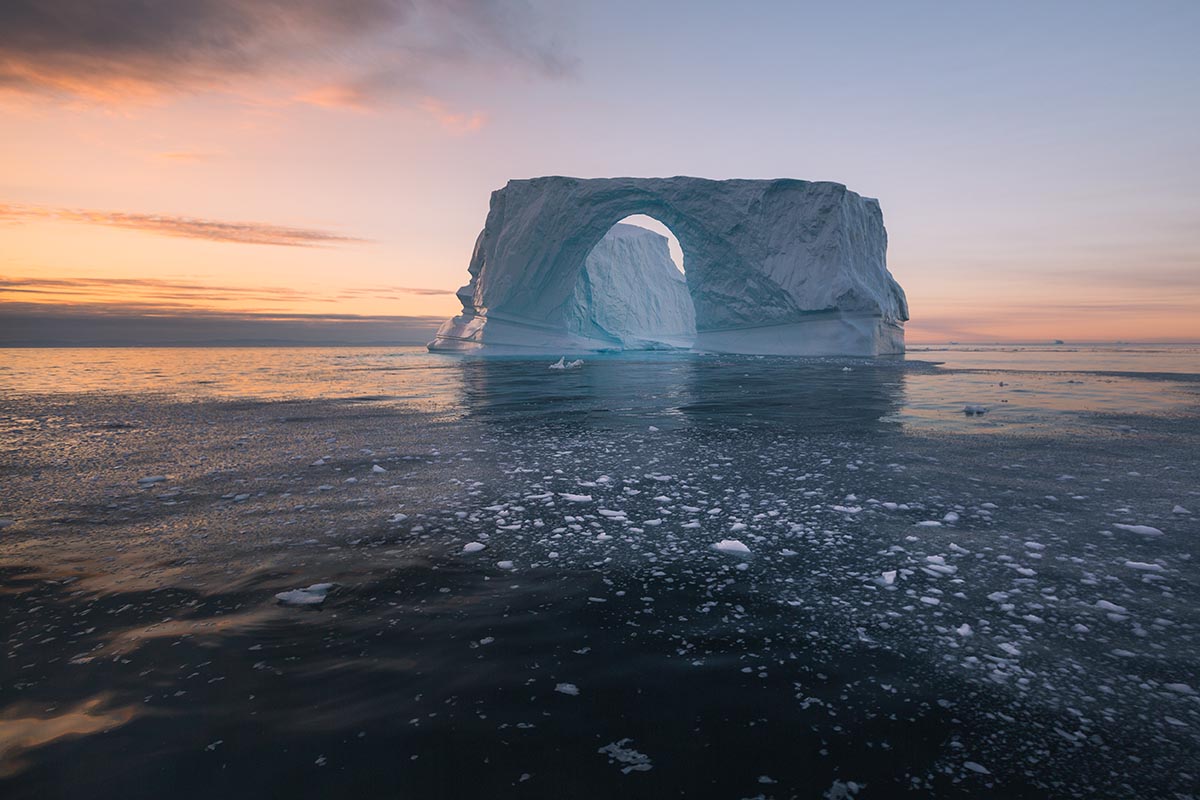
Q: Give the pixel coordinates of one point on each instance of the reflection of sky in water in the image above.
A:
(1021, 387)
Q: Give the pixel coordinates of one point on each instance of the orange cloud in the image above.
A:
(341, 53)
(455, 122)
(187, 227)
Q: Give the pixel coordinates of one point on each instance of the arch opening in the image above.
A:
(632, 290)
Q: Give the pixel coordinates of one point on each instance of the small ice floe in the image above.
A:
(972, 410)
(504, 564)
(311, 596)
(732, 546)
(976, 767)
(1180, 510)
(575, 498)
(473, 547)
(1179, 688)
(929, 523)
(842, 790)
(653, 429)
(567, 688)
(150, 480)
(619, 752)
(1144, 566)
(889, 577)
(1140, 530)
(562, 363)
(377, 469)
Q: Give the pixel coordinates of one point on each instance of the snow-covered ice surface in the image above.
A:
(530, 599)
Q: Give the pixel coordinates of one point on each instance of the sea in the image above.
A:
(971, 571)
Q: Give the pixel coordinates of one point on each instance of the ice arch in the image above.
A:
(631, 295)
(773, 266)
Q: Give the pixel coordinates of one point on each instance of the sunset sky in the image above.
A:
(331, 161)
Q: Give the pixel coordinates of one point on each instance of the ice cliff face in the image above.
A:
(775, 266)
(631, 294)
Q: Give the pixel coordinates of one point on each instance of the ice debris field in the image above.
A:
(537, 597)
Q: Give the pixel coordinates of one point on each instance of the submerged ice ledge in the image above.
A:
(773, 267)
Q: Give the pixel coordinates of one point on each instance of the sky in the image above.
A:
(321, 168)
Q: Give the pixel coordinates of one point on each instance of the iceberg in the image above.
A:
(778, 266)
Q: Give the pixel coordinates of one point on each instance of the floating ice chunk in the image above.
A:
(1010, 648)
(786, 552)
(562, 363)
(972, 410)
(964, 630)
(575, 498)
(976, 767)
(653, 429)
(1144, 566)
(150, 480)
(618, 752)
(732, 546)
(567, 688)
(951, 517)
(1179, 688)
(473, 547)
(889, 577)
(1104, 605)
(504, 564)
(1180, 510)
(841, 790)
(311, 596)
(929, 523)
(377, 469)
(931, 601)
(1140, 530)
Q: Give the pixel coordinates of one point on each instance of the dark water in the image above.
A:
(1026, 645)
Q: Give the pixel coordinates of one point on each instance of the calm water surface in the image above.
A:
(920, 602)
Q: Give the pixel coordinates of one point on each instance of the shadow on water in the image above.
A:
(669, 390)
(434, 680)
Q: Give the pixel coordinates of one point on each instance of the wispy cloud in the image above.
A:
(328, 52)
(187, 227)
(453, 121)
(152, 295)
